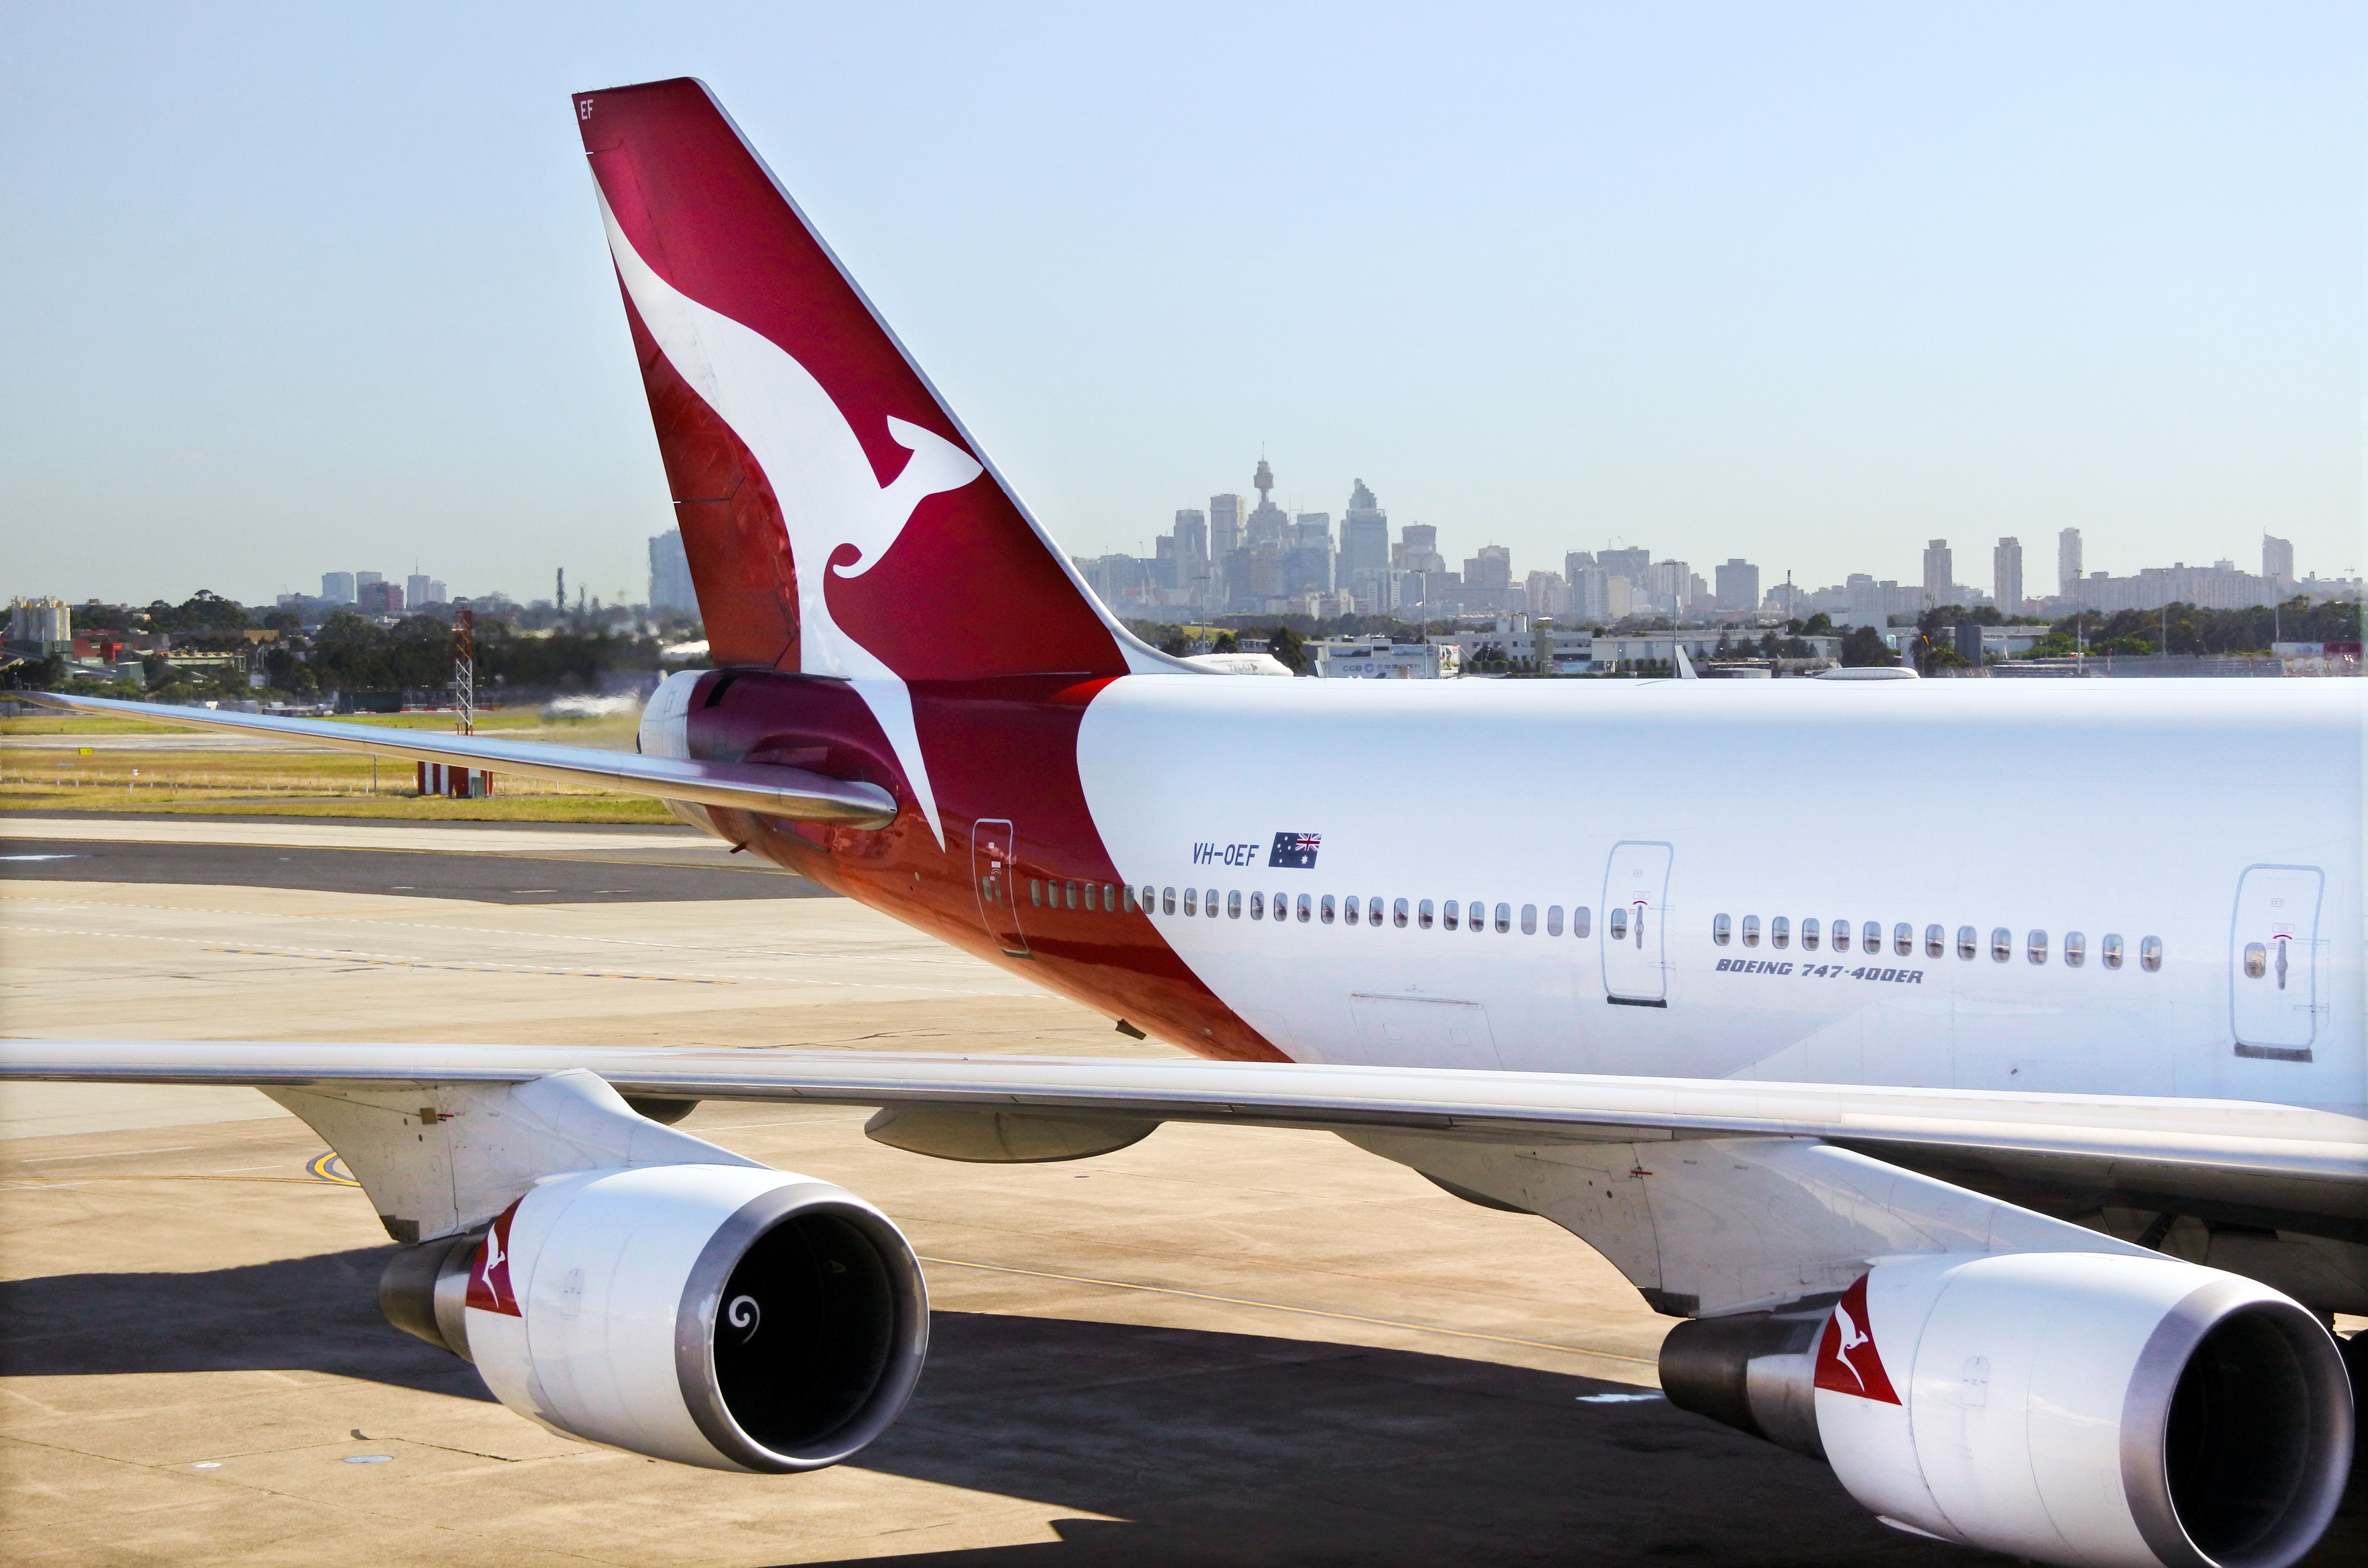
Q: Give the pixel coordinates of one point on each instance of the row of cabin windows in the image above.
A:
(1936, 943)
(1349, 910)
(1048, 894)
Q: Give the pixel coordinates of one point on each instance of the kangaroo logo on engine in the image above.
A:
(489, 1275)
(1847, 1361)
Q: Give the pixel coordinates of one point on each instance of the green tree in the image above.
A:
(1290, 648)
(1862, 649)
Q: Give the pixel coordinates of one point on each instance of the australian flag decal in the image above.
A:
(1295, 850)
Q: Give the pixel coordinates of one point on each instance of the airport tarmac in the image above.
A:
(1221, 1346)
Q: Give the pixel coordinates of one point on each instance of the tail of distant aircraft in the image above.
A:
(837, 519)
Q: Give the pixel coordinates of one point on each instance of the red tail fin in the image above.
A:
(837, 519)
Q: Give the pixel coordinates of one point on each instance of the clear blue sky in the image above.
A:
(302, 288)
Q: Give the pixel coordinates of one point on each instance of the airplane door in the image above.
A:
(2272, 962)
(1635, 898)
(997, 880)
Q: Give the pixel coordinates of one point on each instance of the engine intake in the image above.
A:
(731, 1317)
(2065, 1407)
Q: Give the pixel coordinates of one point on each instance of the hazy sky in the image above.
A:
(294, 288)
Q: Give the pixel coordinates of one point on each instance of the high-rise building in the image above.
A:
(2277, 561)
(1364, 536)
(1547, 593)
(1940, 574)
(364, 579)
(1191, 534)
(1224, 526)
(2067, 565)
(1417, 549)
(1631, 564)
(671, 585)
(337, 587)
(379, 596)
(1488, 579)
(1308, 567)
(1574, 562)
(2006, 576)
(1738, 585)
(1666, 583)
(420, 589)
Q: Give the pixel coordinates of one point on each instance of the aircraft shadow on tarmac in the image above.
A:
(1205, 1447)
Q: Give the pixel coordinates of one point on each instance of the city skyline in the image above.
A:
(1620, 277)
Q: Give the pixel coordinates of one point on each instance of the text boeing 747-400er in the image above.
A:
(1882, 1031)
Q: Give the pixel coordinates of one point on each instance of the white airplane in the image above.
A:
(1978, 1067)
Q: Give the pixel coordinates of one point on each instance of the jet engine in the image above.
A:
(728, 1316)
(2065, 1407)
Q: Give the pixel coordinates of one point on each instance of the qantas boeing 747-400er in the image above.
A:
(1978, 1067)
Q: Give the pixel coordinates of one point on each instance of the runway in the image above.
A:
(1220, 1346)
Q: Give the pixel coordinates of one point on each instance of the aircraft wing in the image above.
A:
(2273, 1157)
(788, 792)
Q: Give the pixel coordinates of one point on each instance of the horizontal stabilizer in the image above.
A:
(790, 793)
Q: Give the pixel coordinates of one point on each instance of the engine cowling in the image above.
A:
(728, 1316)
(2066, 1407)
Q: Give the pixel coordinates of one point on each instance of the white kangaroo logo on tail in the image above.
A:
(830, 498)
(1851, 1338)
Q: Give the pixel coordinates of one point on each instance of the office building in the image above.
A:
(2006, 576)
(379, 596)
(1631, 564)
(1365, 535)
(2277, 561)
(1488, 580)
(2067, 565)
(1225, 519)
(337, 587)
(418, 590)
(1738, 585)
(1417, 549)
(671, 585)
(1940, 574)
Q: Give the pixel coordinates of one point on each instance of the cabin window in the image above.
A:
(1841, 935)
(1809, 935)
(1328, 910)
(2001, 944)
(1780, 932)
(1721, 928)
(1109, 899)
(1070, 890)
(1192, 895)
(1870, 936)
(1282, 906)
(1089, 895)
(2257, 960)
(1233, 904)
(1580, 918)
(2108, 950)
(1036, 892)
(2035, 946)
(1751, 930)
(1616, 924)
(1528, 920)
(1504, 920)
(2149, 953)
(1211, 906)
(1446, 917)
(1167, 900)
(1903, 939)
(1349, 911)
(1936, 941)
(1150, 897)
(1969, 941)
(1398, 914)
(1258, 906)
(1423, 919)
(1476, 916)
(1303, 909)
(2076, 949)
(1373, 914)
(1554, 920)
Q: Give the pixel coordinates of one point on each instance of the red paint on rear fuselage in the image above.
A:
(999, 750)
